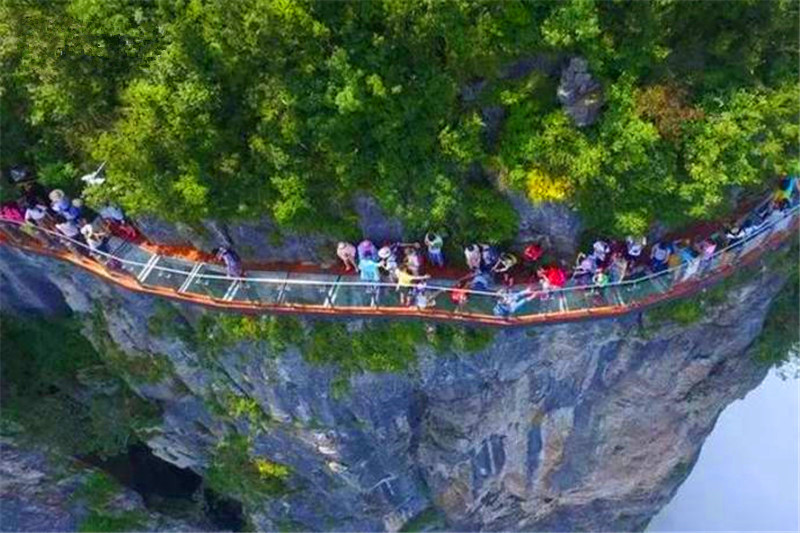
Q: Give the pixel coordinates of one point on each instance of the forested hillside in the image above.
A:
(238, 109)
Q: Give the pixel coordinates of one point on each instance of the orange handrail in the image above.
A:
(676, 290)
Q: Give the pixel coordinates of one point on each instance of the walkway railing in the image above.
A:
(137, 268)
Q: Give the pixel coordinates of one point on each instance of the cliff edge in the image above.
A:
(583, 426)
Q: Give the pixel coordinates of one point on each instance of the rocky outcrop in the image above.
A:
(254, 240)
(558, 221)
(40, 493)
(584, 426)
(579, 93)
(263, 240)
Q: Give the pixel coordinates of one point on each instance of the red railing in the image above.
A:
(137, 268)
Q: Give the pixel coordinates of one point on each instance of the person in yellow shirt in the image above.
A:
(405, 284)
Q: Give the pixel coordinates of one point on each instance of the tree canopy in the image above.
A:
(211, 108)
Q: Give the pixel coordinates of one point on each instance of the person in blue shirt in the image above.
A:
(368, 269)
(787, 193)
(509, 302)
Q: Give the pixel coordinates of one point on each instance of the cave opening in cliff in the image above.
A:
(169, 489)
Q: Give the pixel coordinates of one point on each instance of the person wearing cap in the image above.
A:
(734, 235)
(423, 298)
(600, 250)
(388, 261)
(59, 201)
(434, 243)
(634, 247)
(503, 266)
(347, 253)
(61, 205)
(472, 255)
(95, 239)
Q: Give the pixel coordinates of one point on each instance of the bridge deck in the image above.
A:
(142, 269)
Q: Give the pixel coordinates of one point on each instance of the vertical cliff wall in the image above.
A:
(584, 426)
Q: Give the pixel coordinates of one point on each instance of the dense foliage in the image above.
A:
(239, 109)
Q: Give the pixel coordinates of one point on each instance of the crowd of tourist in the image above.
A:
(407, 266)
(85, 231)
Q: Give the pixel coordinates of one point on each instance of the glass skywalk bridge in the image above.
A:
(139, 268)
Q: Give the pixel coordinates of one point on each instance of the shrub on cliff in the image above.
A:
(234, 471)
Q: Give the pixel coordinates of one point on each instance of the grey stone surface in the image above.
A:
(262, 240)
(492, 117)
(579, 93)
(557, 221)
(37, 493)
(545, 63)
(374, 223)
(588, 426)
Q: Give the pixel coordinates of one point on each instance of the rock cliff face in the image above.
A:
(585, 426)
(39, 494)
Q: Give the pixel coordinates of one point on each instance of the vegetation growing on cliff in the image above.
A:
(236, 109)
(779, 342)
(235, 472)
(63, 394)
(97, 492)
(372, 346)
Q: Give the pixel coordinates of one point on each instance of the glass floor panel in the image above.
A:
(442, 298)
(662, 283)
(129, 252)
(352, 295)
(309, 294)
(215, 288)
(162, 276)
(576, 300)
(480, 304)
(262, 291)
(387, 297)
(639, 290)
